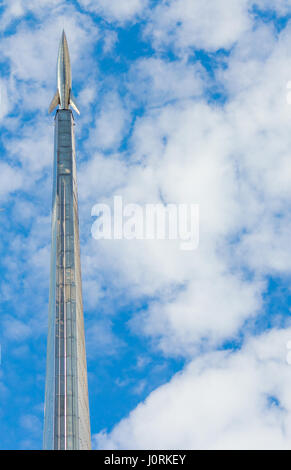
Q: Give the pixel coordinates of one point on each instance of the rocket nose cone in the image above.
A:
(63, 42)
(63, 39)
(63, 56)
(64, 78)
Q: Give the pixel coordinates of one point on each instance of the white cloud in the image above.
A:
(210, 25)
(194, 316)
(157, 81)
(110, 38)
(110, 123)
(101, 340)
(116, 10)
(183, 166)
(282, 7)
(233, 161)
(11, 179)
(4, 101)
(31, 423)
(34, 150)
(221, 400)
(99, 176)
(14, 329)
(15, 9)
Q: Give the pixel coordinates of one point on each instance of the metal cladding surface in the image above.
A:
(64, 73)
(66, 420)
(67, 424)
(64, 96)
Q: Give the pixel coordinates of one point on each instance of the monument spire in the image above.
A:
(64, 96)
(66, 422)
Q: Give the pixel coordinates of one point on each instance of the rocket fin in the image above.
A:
(55, 101)
(73, 103)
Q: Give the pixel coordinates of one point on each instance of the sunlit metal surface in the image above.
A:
(67, 424)
(64, 96)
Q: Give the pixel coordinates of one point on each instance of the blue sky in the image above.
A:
(181, 102)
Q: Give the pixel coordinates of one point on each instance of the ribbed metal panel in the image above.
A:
(67, 424)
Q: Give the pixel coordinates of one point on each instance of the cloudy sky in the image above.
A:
(182, 101)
